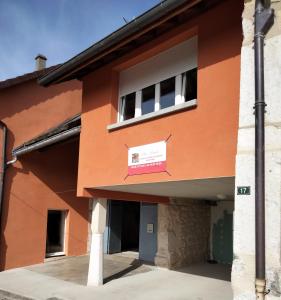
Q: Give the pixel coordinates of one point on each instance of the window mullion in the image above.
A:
(121, 108)
(138, 104)
(157, 97)
(178, 90)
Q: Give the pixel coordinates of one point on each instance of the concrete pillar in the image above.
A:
(95, 274)
(243, 271)
(89, 241)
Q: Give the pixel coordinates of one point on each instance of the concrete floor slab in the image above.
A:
(75, 269)
(52, 282)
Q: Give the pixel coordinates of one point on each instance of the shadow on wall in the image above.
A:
(30, 94)
(37, 182)
(29, 110)
(10, 173)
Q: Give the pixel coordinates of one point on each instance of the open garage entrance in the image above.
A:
(194, 231)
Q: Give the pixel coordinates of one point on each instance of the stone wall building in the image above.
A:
(243, 272)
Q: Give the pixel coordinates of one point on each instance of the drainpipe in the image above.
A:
(264, 19)
(2, 171)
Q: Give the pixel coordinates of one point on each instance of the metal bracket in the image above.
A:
(263, 21)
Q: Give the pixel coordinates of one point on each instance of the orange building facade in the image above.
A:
(159, 126)
(202, 138)
(198, 132)
(39, 182)
(160, 110)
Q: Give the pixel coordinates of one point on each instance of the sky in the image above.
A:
(58, 29)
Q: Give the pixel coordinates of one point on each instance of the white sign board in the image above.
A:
(150, 158)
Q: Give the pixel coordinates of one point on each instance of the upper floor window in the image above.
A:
(128, 106)
(167, 93)
(148, 100)
(165, 80)
(189, 85)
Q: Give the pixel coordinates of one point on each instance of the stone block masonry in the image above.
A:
(183, 233)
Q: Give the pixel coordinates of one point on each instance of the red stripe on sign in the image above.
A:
(155, 167)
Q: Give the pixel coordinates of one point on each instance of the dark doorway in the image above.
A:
(123, 226)
(130, 226)
(55, 233)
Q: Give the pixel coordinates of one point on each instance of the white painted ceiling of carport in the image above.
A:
(207, 189)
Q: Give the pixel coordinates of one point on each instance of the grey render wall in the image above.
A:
(183, 233)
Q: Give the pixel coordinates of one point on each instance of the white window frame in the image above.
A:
(180, 80)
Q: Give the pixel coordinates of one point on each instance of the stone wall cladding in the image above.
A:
(183, 233)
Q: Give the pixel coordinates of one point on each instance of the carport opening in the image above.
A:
(55, 239)
(209, 240)
(198, 237)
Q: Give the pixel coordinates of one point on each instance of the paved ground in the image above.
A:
(75, 269)
(63, 280)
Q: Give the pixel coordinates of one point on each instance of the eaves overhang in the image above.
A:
(66, 130)
(116, 43)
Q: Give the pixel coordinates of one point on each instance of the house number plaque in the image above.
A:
(243, 190)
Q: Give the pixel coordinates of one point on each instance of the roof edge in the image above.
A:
(9, 82)
(147, 18)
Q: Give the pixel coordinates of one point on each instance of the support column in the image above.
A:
(95, 274)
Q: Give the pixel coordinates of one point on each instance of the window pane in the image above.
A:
(191, 85)
(148, 100)
(128, 106)
(167, 93)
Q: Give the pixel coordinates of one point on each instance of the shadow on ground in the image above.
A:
(75, 269)
(215, 271)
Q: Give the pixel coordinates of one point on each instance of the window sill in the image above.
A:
(162, 112)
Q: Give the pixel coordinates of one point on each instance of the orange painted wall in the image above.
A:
(203, 140)
(40, 180)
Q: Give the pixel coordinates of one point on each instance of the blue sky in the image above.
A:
(59, 29)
